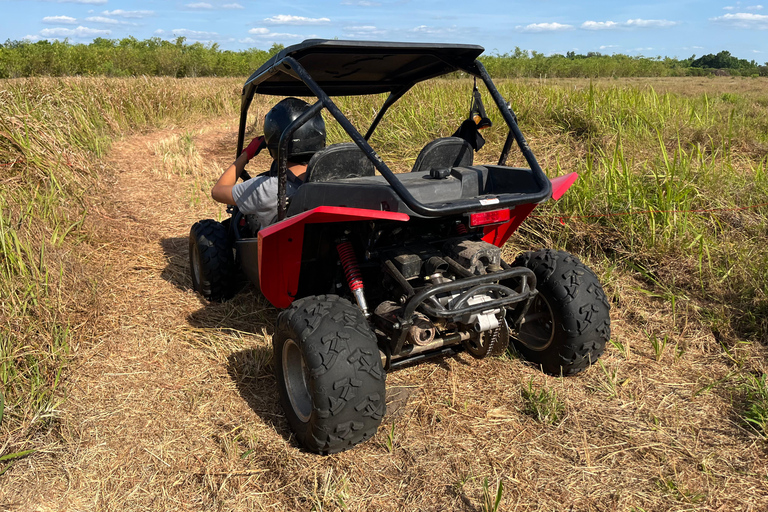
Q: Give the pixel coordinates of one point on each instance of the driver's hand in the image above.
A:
(256, 145)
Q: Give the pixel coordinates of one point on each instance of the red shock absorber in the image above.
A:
(352, 272)
(461, 229)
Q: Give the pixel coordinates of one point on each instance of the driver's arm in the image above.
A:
(222, 190)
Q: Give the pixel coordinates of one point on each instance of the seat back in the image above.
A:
(339, 161)
(444, 153)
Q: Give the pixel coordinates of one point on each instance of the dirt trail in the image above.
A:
(174, 406)
(147, 413)
(168, 406)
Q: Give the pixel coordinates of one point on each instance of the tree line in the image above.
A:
(159, 57)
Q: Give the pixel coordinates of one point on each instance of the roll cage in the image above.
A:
(326, 68)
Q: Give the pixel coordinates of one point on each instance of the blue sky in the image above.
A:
(651, 28)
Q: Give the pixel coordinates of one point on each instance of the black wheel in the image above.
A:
(568, 323)
(211, 260)
(329, 373)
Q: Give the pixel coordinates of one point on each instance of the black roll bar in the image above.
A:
(391, 99)
(291, 66)
(282, 155)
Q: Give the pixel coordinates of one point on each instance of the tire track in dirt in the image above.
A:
(145, 409)
(158, 401)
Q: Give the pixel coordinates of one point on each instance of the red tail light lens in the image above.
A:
(486, 218)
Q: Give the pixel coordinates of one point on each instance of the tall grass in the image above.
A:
(662, 178)
(52, 133)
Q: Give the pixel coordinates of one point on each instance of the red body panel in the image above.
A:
(561, 184)
(280, 247)
(498, 235)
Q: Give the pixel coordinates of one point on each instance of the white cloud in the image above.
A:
(635, 23)
(424, 29)
(59, 20)
(738, 6)
(608, 46)
(743, 20)
(599, 25)
(199, 5)
(129, 14)
(361, 3)
(31, 38)
(651, 23)
(363, 31)
(364, 28)
(287, 19)
(265, 32)
(545, 27)
(74, 32)
(195, 35)
(106, 21)
(232, 6)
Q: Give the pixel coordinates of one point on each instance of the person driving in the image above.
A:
(257, 197)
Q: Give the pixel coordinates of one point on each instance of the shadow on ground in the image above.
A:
(176, 271)
(252, 369)
(252, 372)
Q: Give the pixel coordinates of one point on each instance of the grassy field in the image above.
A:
(670, 210)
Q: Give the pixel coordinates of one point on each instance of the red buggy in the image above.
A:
(375, 270)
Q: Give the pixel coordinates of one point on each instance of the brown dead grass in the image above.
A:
(172, 405)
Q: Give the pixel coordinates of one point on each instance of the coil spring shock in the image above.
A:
(352, 273)
(461, 229)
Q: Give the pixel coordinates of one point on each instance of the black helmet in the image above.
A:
(307, 140)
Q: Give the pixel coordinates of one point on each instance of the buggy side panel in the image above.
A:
(281, 244)
(498, 235)
(561, 184)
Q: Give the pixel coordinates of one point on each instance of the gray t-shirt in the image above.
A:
(258, 196)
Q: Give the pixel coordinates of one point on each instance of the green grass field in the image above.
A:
(670, 210)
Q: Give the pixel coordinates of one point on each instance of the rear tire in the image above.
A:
(329, 373)
(568, 323)
(211, 261)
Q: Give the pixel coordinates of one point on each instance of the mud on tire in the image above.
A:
(329, 373)
(568, 323)
(211, 261)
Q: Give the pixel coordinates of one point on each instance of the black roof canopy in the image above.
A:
(345, 68)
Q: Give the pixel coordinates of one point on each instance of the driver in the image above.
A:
(257, 197)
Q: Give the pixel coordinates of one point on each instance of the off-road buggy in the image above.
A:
(376, 271)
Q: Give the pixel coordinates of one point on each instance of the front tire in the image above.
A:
(211, 260)
(329, 373)
(568, 323)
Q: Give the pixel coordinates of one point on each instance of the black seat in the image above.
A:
(444, 153)
(339, 161)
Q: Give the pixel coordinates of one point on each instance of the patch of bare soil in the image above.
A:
(174, 405)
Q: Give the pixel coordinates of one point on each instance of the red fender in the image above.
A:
(280, 247)
(499, 234)
(561, 184)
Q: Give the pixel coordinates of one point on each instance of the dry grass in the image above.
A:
(171, 404)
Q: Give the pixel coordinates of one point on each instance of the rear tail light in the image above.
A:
(486, 218)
